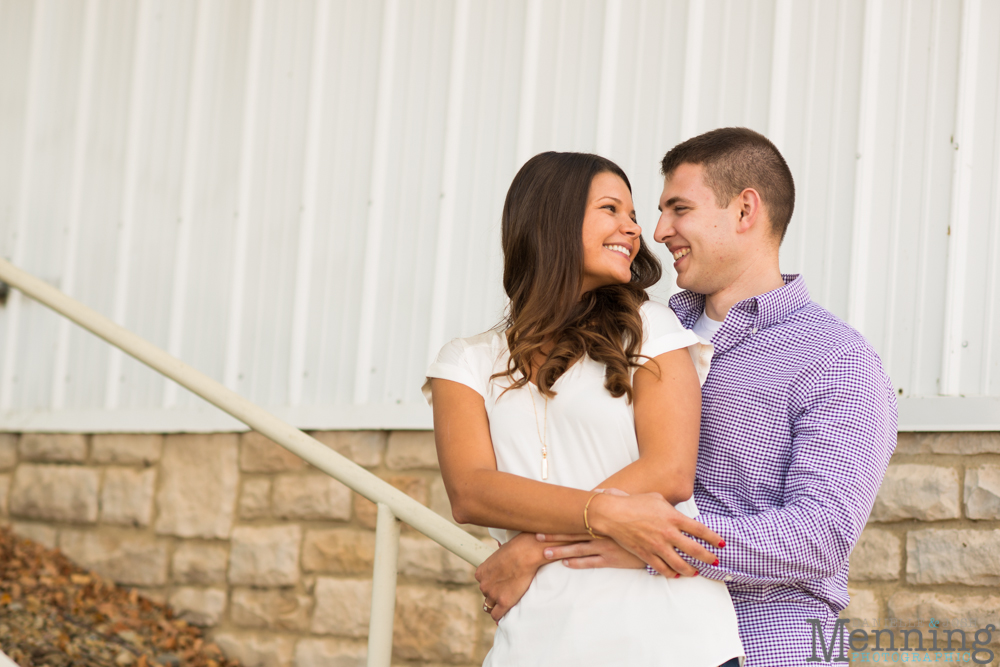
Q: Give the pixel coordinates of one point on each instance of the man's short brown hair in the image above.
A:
(737, 158)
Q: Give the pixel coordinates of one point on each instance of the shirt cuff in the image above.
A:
(715, 572)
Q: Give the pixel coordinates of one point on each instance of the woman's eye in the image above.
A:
(611, 207)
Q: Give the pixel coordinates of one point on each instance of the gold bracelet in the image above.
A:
(586, 521)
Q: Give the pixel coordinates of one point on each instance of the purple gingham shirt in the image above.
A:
(798, 424)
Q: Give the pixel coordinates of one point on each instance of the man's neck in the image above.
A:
(749, 284)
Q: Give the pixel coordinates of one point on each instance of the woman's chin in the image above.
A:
(623, 279)
(607, 281)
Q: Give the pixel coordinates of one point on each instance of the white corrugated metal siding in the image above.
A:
(302, 198)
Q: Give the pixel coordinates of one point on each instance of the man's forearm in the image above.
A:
(785, 546)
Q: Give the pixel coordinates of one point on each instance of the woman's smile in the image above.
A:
(626, 251)
(609, 227)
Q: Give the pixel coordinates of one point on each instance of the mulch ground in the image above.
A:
(56, 614)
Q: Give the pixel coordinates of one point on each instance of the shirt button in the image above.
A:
(753, 330)
(727, 578)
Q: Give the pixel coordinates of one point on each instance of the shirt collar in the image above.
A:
(747, 316)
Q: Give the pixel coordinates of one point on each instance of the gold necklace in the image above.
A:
(543, 431)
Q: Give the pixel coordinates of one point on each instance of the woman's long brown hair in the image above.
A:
(542, 238)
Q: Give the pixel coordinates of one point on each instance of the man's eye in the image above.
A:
(680, 209)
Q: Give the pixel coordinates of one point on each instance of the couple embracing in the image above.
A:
(675, 485)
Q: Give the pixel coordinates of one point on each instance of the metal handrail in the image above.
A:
(393, 505)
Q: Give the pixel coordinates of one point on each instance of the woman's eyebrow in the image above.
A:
(614, 199)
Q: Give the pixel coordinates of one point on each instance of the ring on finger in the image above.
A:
(487, 607)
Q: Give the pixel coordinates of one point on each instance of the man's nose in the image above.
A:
(664, 229)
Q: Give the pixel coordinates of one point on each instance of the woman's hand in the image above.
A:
(584, 553)
(651, 528)
(505, 576)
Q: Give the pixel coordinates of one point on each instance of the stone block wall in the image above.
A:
(271, 556)
(931, 549)
(274, 558)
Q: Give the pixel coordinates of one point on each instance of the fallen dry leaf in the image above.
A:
(53, 613)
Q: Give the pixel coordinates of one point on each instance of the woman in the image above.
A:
(590, 386)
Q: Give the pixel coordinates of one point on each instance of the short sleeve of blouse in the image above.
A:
(662, 331)
(457, 361)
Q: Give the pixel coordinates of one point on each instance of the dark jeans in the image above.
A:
(735, 662)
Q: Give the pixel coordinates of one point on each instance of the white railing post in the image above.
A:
(383, 588)
(394, 506)
(407, 509)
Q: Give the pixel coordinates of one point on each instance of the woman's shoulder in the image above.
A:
(660, 317)
(652, 306)
(662, 331)
(470, 349)
(486, 339)
(468, 361)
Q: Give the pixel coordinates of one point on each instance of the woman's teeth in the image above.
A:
(680, 253)
(619, 248)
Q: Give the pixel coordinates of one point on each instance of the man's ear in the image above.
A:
(750, 210)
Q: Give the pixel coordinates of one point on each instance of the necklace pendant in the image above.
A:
(545, 468)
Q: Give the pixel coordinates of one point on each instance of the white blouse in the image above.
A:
(602, 616)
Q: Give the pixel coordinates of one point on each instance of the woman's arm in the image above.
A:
(667, 419)
(667, 406)
(667, 422)
(478, 492)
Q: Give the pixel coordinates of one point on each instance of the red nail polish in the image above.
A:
(716, 562)
(696, 574)
(677, 576)
(722, 543)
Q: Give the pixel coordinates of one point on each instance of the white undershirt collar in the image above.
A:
(705, 327)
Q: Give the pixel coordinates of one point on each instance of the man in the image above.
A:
(798, 416)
